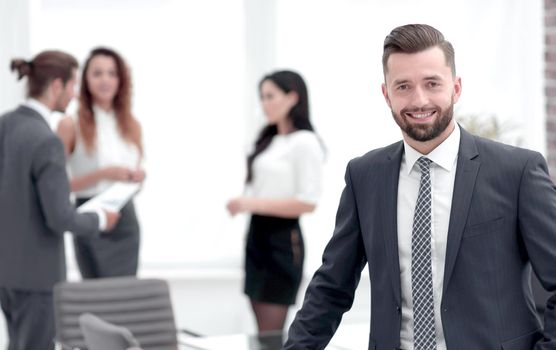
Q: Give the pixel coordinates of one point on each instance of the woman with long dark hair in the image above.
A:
(284, 182)
(103, 146)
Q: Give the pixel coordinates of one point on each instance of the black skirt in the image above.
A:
(110, 254)
(273, 260)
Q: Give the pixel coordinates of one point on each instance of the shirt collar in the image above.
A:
(40, 108)
(444, 155)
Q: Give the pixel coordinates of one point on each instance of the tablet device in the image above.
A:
(113, 199)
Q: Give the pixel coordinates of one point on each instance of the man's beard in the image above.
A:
(425, 133)
(60, 105)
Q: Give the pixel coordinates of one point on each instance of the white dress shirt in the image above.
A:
(43, 110)
(111, 149)
(443, 173)
(46, 113)
(290, 167)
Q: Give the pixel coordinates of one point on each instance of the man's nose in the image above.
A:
(420, 97)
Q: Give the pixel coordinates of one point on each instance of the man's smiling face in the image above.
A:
(421, 91)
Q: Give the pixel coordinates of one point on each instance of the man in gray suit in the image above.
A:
(449, 224)
(35, 207)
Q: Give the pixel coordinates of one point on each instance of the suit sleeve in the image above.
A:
(52, 186)
(537, 222)
(332, 288)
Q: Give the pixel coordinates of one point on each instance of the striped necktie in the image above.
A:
(424, 335)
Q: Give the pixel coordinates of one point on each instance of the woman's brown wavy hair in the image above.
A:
(128, 126)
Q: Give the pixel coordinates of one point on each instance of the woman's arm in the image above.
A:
(285, 208)
(66, 132)
(114, 173)
(139, 174)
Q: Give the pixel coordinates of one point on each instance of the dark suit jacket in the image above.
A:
(502, 222)
(35, 207)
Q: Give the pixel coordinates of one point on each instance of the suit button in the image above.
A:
(445, 309)
(398, 309)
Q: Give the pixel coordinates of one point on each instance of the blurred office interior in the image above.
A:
(196, 65)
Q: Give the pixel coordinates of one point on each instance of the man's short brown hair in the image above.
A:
(413, 38)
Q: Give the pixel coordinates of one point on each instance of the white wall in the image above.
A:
(14, 43)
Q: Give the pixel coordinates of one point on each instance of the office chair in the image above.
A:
(142, 306)
(101, 335)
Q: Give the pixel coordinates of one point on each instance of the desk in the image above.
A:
(234, 341)
(348, 337)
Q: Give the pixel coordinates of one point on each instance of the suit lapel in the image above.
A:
(390, 174)
(466, 174)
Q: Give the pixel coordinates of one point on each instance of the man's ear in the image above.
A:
(53, 90)
(56, 86)
(385, 94)
(457, 89)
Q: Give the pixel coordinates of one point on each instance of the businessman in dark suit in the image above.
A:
(450, 225)
(35, 208)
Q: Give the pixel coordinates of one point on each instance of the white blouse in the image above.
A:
(111, 150)
(290, 167)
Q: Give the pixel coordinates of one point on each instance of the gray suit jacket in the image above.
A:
(35, 208)
(502, 222)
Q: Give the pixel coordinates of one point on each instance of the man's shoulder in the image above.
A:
(27, 117)
(378, 155)
(24, 125)
(19, 111)
(495, 151)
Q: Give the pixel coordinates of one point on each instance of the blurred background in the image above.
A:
(196, 65)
